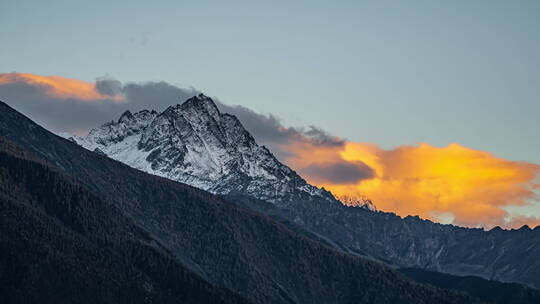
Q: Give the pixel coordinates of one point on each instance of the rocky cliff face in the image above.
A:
(196, 144)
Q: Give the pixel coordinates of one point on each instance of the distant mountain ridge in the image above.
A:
(196, 144)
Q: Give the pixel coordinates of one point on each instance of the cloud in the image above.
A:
(452, 184)
(338, 172)
(71, 105)
(109, 86)
(155, 95)
(269, 131)
(57, 87)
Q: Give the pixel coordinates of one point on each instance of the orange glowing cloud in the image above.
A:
(59, 87)
(453, 184)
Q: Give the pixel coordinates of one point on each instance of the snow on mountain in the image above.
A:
(195, 143)
(362, 202)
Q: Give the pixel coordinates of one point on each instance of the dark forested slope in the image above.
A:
(59, 243)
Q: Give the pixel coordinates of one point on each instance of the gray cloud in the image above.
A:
(155, 95)
(318, 136)
(109, 86)
(56, 114)
(339, 172)
(269, 131)
(78, 116)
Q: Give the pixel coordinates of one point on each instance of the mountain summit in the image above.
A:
(196, 144)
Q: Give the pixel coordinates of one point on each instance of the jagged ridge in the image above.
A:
(196, 144)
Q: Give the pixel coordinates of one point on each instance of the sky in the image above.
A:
(392, 74)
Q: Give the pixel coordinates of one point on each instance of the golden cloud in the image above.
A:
(59, 87)
(452, 184)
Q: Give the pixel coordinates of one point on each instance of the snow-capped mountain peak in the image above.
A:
(195, 143)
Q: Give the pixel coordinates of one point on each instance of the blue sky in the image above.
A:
(386, 72)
